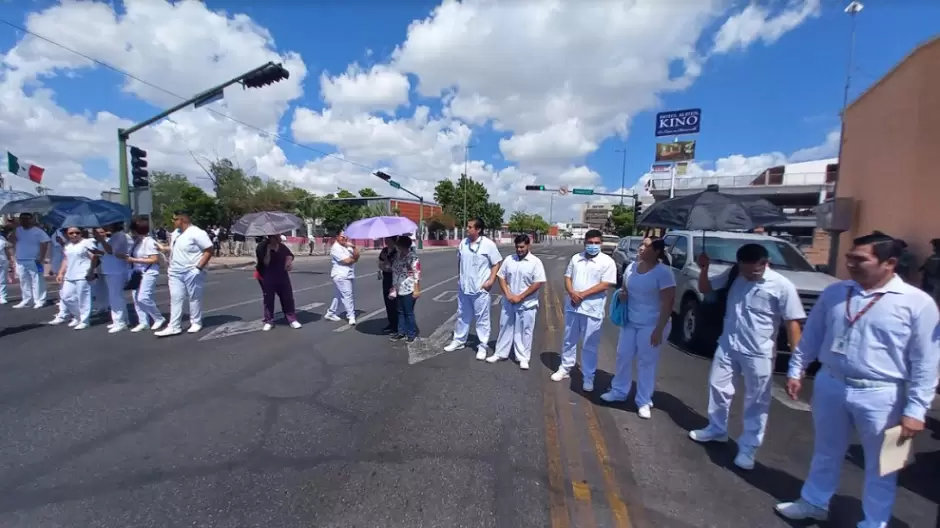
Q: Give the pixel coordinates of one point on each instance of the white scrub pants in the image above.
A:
(56, 261)
(144, 305)
(99, 294)
(758, 379)
(470, 306)
(634, 342)
(580, 327)
(32, 284)
(839, 406)
(4, 277)
(516, 327)
(343, 293)
(76, 298)
(114, 282)
(186, 285)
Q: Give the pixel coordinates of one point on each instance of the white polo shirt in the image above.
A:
(586, 273)
(756, 310)
(475, 260)
(339, 253)
(519, 274)
(110, 264)
(28, 242)
(186, 250)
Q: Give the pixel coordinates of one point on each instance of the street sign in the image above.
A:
(563, 191)
(679, 122)
(582, 191)
(394, 184)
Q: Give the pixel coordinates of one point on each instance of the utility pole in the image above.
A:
(466, 184)
(395, 185)
(261, 76)
(623, 173)
(853, 9)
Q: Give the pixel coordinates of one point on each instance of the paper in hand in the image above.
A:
(894, 453)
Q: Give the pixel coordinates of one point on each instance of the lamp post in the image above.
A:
(466, 184)
(623, 172)
(395, 185)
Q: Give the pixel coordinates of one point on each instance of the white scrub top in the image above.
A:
(475, 261)
(643, 292)
(586, 273)
(110, 264)
(28, 242)
(147, 247)
(519, 274)
(339, 253)
(187, 248)
(78, 259)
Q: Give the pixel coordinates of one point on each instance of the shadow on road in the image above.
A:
(219, 320)
(304, 317)
(13, 330)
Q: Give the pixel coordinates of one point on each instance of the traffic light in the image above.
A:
(638, 210)
(141, 176)
(270, 74)
(382, 176)
(535, 187)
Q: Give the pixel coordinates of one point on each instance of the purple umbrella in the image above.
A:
(380, 227)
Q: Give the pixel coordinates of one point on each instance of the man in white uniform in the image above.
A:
(190, 251)
(759, 300)
(344, 255)
(878, 340)
(588, 277)
(32, 248)
(478, 260)
(520, 277)
(115, 271)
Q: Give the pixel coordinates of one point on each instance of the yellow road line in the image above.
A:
(558, 507)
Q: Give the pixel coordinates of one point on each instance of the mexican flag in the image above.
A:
(24, 170)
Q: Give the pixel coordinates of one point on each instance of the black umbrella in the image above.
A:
(39, 204)
(266, 223)
(711, 210)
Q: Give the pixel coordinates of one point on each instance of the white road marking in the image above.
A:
(425, 348)
(258, 297)
(372, 314)
(245, 327)
(780, 394)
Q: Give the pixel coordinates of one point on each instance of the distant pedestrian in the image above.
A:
(32, 248)
(344, 255)
(588, 277)
(649, 289)
(73, 276)
(275, 260)
(478, 260)
(521, 276)
(759, 300)
(406, 288)
(386, 258)
(190, 252)
(877, 339)
(6, 257)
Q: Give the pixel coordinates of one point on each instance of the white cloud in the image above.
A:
(555, 77)
(757, 23)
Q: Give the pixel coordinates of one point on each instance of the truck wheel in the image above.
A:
(688, 319)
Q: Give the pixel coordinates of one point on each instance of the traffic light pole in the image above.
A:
(125, 133)
(382, 176)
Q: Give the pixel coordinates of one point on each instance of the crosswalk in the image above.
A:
(552, 256)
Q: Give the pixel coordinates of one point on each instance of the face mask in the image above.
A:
(592, 249)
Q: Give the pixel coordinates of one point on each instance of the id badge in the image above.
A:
(839, 345)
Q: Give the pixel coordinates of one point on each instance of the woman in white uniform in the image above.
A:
(649, 289)
(115, 269)
(145, 259)
(73, 277)
(344, 255)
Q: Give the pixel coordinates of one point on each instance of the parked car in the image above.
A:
(625, 254)
(722, 248)
(609, 243)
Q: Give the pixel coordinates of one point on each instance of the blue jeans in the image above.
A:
(407, 325)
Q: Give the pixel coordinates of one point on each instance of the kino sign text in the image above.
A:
(679, 122)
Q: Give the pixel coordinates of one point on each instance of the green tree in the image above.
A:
(622, 218)
(492, 214)
(172, 192)
(372, 210)
(452, 196)
(337, 215)
(522, 222)
(439, 223)
(368, 192)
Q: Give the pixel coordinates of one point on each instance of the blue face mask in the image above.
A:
(592, 249)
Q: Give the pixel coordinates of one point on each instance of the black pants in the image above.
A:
(391, 306)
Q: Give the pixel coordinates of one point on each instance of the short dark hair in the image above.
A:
(181, 212)
(593, 233)
(478, 223)
(659, 245)
(403, 241)
(522, 239)
(752, 253)
(883, 246)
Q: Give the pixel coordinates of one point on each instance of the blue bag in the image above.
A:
(617, 311)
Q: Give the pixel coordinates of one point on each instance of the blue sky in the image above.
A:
(767, 97)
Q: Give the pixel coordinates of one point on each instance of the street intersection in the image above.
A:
(335, 426)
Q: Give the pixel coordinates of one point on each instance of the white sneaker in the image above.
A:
(560, 374)
(158, 325)
(494, 358)
(332, 317)
(140, 328)
(267, 327)
(21, 304)
(708, 435)
(454, 345)
(194, 328)
(38, 306)
(117, 328)
(295, 325)
(524, 365)
(744, 460)
(3, 301)
(645, 412)
(166, 332)
(57, 321)
(800, 510)
(110, 326)
(587, 386)
(73, 323)
(613, 397)
(352, 321)
(481, 353)
(81, 326)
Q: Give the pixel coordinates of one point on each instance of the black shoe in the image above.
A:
(411, 339)
(388, 330)
(396, 337)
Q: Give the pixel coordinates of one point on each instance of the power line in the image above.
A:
(164, 90)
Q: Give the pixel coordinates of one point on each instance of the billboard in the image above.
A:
(677, 151)
(678, 122)
(682, 168)
(660, 167)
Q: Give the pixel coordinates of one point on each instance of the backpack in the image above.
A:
(711, 316)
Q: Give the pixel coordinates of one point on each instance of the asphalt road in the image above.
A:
(334, 426)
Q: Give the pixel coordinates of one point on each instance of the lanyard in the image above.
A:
(848, 300)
